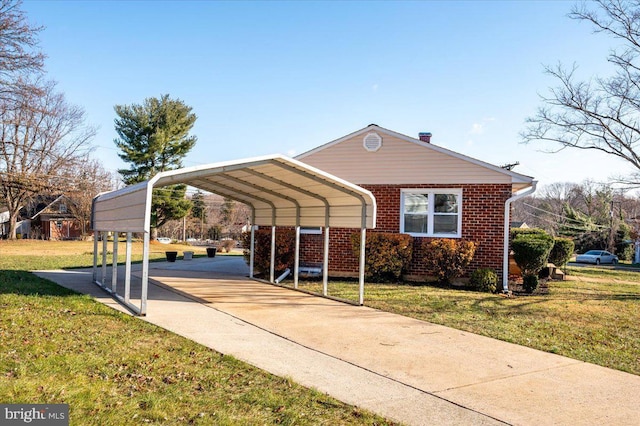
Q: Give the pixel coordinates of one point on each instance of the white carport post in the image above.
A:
(114, 264)
(104, 257)
(296, 261)
(325, 262)
(363, 242)
(272, 266)
(95, 256)
(253, 243)
(145, 274)
(127, 270)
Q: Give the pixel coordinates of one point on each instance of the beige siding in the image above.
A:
(398, 162)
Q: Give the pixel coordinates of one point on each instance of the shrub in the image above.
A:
(627, 253)
(484, 279)
(227, 245)
(446, 258)
(387, 255)
(530, 283)
(531, 252)
(562, 251)
(518, 232)
(285, 249)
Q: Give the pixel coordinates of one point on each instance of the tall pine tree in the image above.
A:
(154, 137)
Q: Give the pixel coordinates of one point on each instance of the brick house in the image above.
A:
(421, 189)
(53, 219)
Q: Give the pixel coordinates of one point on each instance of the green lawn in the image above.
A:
(64, 347)
(114, 369)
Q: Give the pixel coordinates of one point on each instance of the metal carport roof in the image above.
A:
(280, 191)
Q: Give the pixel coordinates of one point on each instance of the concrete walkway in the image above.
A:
(407, 370)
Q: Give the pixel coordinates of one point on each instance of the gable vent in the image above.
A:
(372, 142)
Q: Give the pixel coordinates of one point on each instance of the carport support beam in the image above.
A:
(145, 275)
(127, 270)
(296, 261)
(114, 264)
(252, 249)
(105, 236)
(325, 263)
(272, 267)
(363, 242)
(95, 256)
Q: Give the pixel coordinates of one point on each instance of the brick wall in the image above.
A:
(482, 223)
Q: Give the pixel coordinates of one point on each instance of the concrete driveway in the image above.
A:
(407, 370)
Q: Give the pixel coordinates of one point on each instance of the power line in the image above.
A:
(577, 222)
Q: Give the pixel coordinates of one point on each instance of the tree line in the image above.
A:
(594, 215)
(45, 140)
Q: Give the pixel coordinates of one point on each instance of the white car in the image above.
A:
(164, 240)
(597, 257)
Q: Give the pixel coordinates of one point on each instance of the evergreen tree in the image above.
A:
(154, 137)
(199, 208)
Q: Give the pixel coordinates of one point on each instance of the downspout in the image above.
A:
(507, 216)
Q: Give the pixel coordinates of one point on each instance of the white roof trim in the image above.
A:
(516, 178)
(280, 190)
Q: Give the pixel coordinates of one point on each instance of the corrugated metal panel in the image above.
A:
(282, 191)
(123, 211)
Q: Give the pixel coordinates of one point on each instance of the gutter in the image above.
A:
(507, 214)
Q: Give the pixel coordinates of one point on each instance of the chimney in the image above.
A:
(425, 137)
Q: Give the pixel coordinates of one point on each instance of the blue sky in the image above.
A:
(284, 77)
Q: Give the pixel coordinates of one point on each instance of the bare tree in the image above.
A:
(19, 54)
(603, 113)
(85, 182)
(41, 136)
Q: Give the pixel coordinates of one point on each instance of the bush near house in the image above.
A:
(285, 249)
(562, 251)
(484, 279)
(387, 255)
(531, 252)
(446, 258)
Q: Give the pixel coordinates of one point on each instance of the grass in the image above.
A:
(33, 255)
(113, 369)
(593, 317)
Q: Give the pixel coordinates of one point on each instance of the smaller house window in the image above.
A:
(63, 208)
(431, 213)
(310, 230)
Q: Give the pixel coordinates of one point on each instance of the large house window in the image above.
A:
(431, 212)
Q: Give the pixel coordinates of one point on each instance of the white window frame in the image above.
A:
(431, 192)
(310, 230)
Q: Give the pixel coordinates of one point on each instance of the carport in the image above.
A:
(279, 190)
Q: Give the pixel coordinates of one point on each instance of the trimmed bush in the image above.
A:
(562, 251)
(446, 258)
(387, 255)
(530, 283)
(285, 249)
(228, 245)
(531, 252)
(484, 279)
(517, 232)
